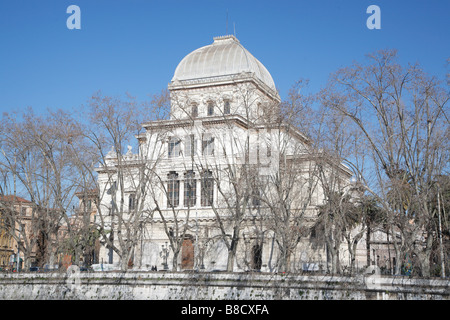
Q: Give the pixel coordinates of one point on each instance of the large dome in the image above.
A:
(224, 57)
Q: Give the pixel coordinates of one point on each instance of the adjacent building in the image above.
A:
(15, 229)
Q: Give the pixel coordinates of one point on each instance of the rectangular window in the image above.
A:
(208, 145)
(259, 184)
(190, 146)
(210, 109)
(207, 195)
(190, 189)
(86, 205)
(174, 147)
(194, 112)
(132, 202)
(173, 189)
(269, 151)
(256, 197)
(313, 234)
(256, 183)
(226, 107)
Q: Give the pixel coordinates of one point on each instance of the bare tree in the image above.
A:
(37, 158)
(400, 113)
(121, 176)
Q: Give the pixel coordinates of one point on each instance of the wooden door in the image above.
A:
(187, 255)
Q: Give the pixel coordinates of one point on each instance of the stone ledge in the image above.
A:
(197, 286)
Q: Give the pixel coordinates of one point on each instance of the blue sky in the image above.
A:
(135, 45)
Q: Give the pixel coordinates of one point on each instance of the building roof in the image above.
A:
(224, 57)
(89, 193)
(12, 198)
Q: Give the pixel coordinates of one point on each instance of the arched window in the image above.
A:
(257, 256)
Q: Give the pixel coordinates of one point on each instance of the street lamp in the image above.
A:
(164, 254)
(202, 255)
(18, 249)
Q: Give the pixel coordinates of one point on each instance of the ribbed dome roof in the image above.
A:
(224, 57)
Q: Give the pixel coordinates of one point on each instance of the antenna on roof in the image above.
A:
(227, 23)
(234, 27)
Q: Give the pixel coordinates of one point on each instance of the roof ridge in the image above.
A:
(11, 197)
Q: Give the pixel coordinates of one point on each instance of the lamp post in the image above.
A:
(18, 249)
(202, 255)
(440, 237)
(164, 254)
(196, 242)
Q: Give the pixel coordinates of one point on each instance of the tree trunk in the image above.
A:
(126, 255)
(287, 263)
(368, 245)
(231, 255)
(232, 249)
(175, 260)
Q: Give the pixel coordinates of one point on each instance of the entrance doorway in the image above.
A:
(257, 257)
(187, 254)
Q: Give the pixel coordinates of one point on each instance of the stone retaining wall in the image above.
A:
(215, 286)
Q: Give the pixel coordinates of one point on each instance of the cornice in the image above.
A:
(181, 123)
(233, 79)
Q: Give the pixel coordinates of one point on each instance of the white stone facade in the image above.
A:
(223, 106)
